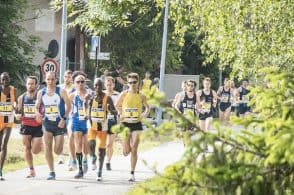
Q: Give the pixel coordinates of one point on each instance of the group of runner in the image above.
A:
(72, 108)
(203, 103)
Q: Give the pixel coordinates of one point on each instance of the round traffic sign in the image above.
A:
(49, 65)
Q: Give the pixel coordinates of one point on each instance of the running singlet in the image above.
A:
(146, 84)
(207, 101)
(98, 112)
(78, 113)
(54, 106)
(244, 95)
(132, 108)
(6, 107)
(29, 111)
(188, 104)
(225, 96)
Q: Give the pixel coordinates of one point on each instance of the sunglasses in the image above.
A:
(82, 82)
(189, 85)
(133, 82)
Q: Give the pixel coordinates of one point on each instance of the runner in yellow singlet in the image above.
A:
(129, 106)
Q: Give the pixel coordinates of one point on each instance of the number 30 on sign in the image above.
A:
(49, 65)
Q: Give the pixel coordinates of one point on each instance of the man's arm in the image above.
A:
(37, 106)
(118, 104)
(214, 98)
(19, 108)
(145, 104)
(178, 100)
(67, 102)
(111, 106)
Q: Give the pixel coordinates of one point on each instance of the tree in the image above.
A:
(16, 48)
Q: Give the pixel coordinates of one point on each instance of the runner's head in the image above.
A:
(31, 84)
(133, 79)
(227, 82)
(109, 83)
(120, 69)
(191, 85)
(184, 85)
(5, 79)
(79, 79)
(67, 77)
(206, 83)
(98, 85)
(147, 75)
(51, 79)
(245, 83)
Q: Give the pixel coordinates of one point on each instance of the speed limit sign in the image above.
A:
(49, 65)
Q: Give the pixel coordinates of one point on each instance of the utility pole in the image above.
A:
(163, 56)
(63, 42)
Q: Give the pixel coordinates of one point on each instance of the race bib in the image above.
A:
(81, 112)
(6, 108)
(131, 114)
(97, 114)
(29, 110)
(225, 98)
(206, 106)
(51, 112)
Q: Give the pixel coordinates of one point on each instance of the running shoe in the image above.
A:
(73, 165)
(61, 159)
(31, 174)
(108, 167)
(79, 175)
(1, 177)
(99, 176)
(85, 166)
(132, 178)
(51, 176)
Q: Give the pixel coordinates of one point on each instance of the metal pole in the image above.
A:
(220, 77)
(63, 42)
(97, 52)
(163, 56)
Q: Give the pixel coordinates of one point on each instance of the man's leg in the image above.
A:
(109, 149)
(4, 137)
(227, 115)
(102, 136)
(27, 143)
(135, 140)
(48, 139)
(126, 145)
(78, 140)
(92, 146)
(221, 116)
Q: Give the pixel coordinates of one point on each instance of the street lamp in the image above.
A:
(163, 56)
(63, 42)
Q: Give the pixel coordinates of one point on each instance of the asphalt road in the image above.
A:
(114, 182)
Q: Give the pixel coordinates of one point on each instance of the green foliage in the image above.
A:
(256, 160)
(247, 35)
(16, 47)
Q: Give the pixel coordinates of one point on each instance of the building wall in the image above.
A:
(47, 26)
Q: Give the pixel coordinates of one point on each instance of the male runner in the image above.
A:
(100, 106)
(112, 119)
(244, 109)
(234, 98)
(206, 100)
(80, 99)
(8, 96)
(69, 88)
(146, 83)
(186, 102)
(56, 109)
(31, 129)
(129, 106)
(224, 94)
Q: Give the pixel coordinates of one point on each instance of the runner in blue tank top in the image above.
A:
(56, 109)
(80, 99)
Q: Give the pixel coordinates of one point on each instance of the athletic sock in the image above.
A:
(101, 155)
(80, 159)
